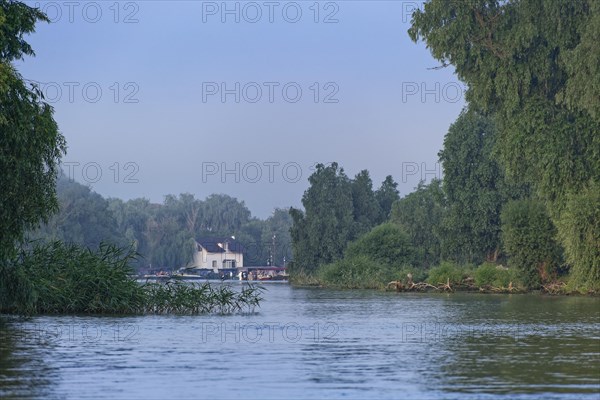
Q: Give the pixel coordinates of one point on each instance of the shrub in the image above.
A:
(418, 274)
(486, 274)
(489, 274)
(371, 261)
(447, 271)
(355, 272)
(388, 244)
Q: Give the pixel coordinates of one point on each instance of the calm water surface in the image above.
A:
(316, 343)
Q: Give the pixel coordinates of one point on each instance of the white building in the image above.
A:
(217, 254)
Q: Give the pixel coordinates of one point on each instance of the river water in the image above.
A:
(316, 343)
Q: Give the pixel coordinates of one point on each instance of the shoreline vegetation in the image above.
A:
(59, 278)
(558, 288)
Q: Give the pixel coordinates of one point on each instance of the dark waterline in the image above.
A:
(316, 343)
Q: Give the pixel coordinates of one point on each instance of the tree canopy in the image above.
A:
(525, 62)
(420, 214)
(30, 144)
(337, 210)
(532, 67)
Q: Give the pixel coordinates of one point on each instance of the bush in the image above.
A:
(371, 261)
(356, 272)
(489, 274)
(418, 274)
(388, 244)
(486, 275)
(447, 271)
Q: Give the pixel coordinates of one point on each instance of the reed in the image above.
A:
(177, 297)
(59, 278)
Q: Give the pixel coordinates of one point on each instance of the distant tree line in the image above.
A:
(164, 234)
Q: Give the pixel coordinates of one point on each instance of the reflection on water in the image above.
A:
(316, 343)
(24, 372)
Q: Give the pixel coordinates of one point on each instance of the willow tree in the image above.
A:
(475, 189)
(532, 65)
(528, 237)
(30, 144)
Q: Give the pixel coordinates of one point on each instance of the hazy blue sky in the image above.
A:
(161, 119)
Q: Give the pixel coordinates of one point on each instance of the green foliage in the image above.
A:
(337, 210)
(30, 145)
(582, 64)
(163, 234)
(62, 278)
(303, 278)
(176, 297)
(58, 278)
(386, 196)
(371, 261)
(579, 229)
(387, 244)
(552, 149)
(486, 274)
(447, 272)
(420, 215)
(490, 274)
(356, 272)
(475, 190)
(16, 20)
(224, 213)
(417, 274)
(321, 232)
(366, 208)
(83, 218)
(168, 231)
(528, 236)
(533, 66)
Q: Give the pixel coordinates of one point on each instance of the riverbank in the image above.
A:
(448, 277)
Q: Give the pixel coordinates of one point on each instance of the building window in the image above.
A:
(214, 263)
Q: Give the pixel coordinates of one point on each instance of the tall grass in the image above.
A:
(176, 297)
(59, 278)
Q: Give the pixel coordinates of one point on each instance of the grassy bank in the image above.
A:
(58, 278)
(359, 273)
